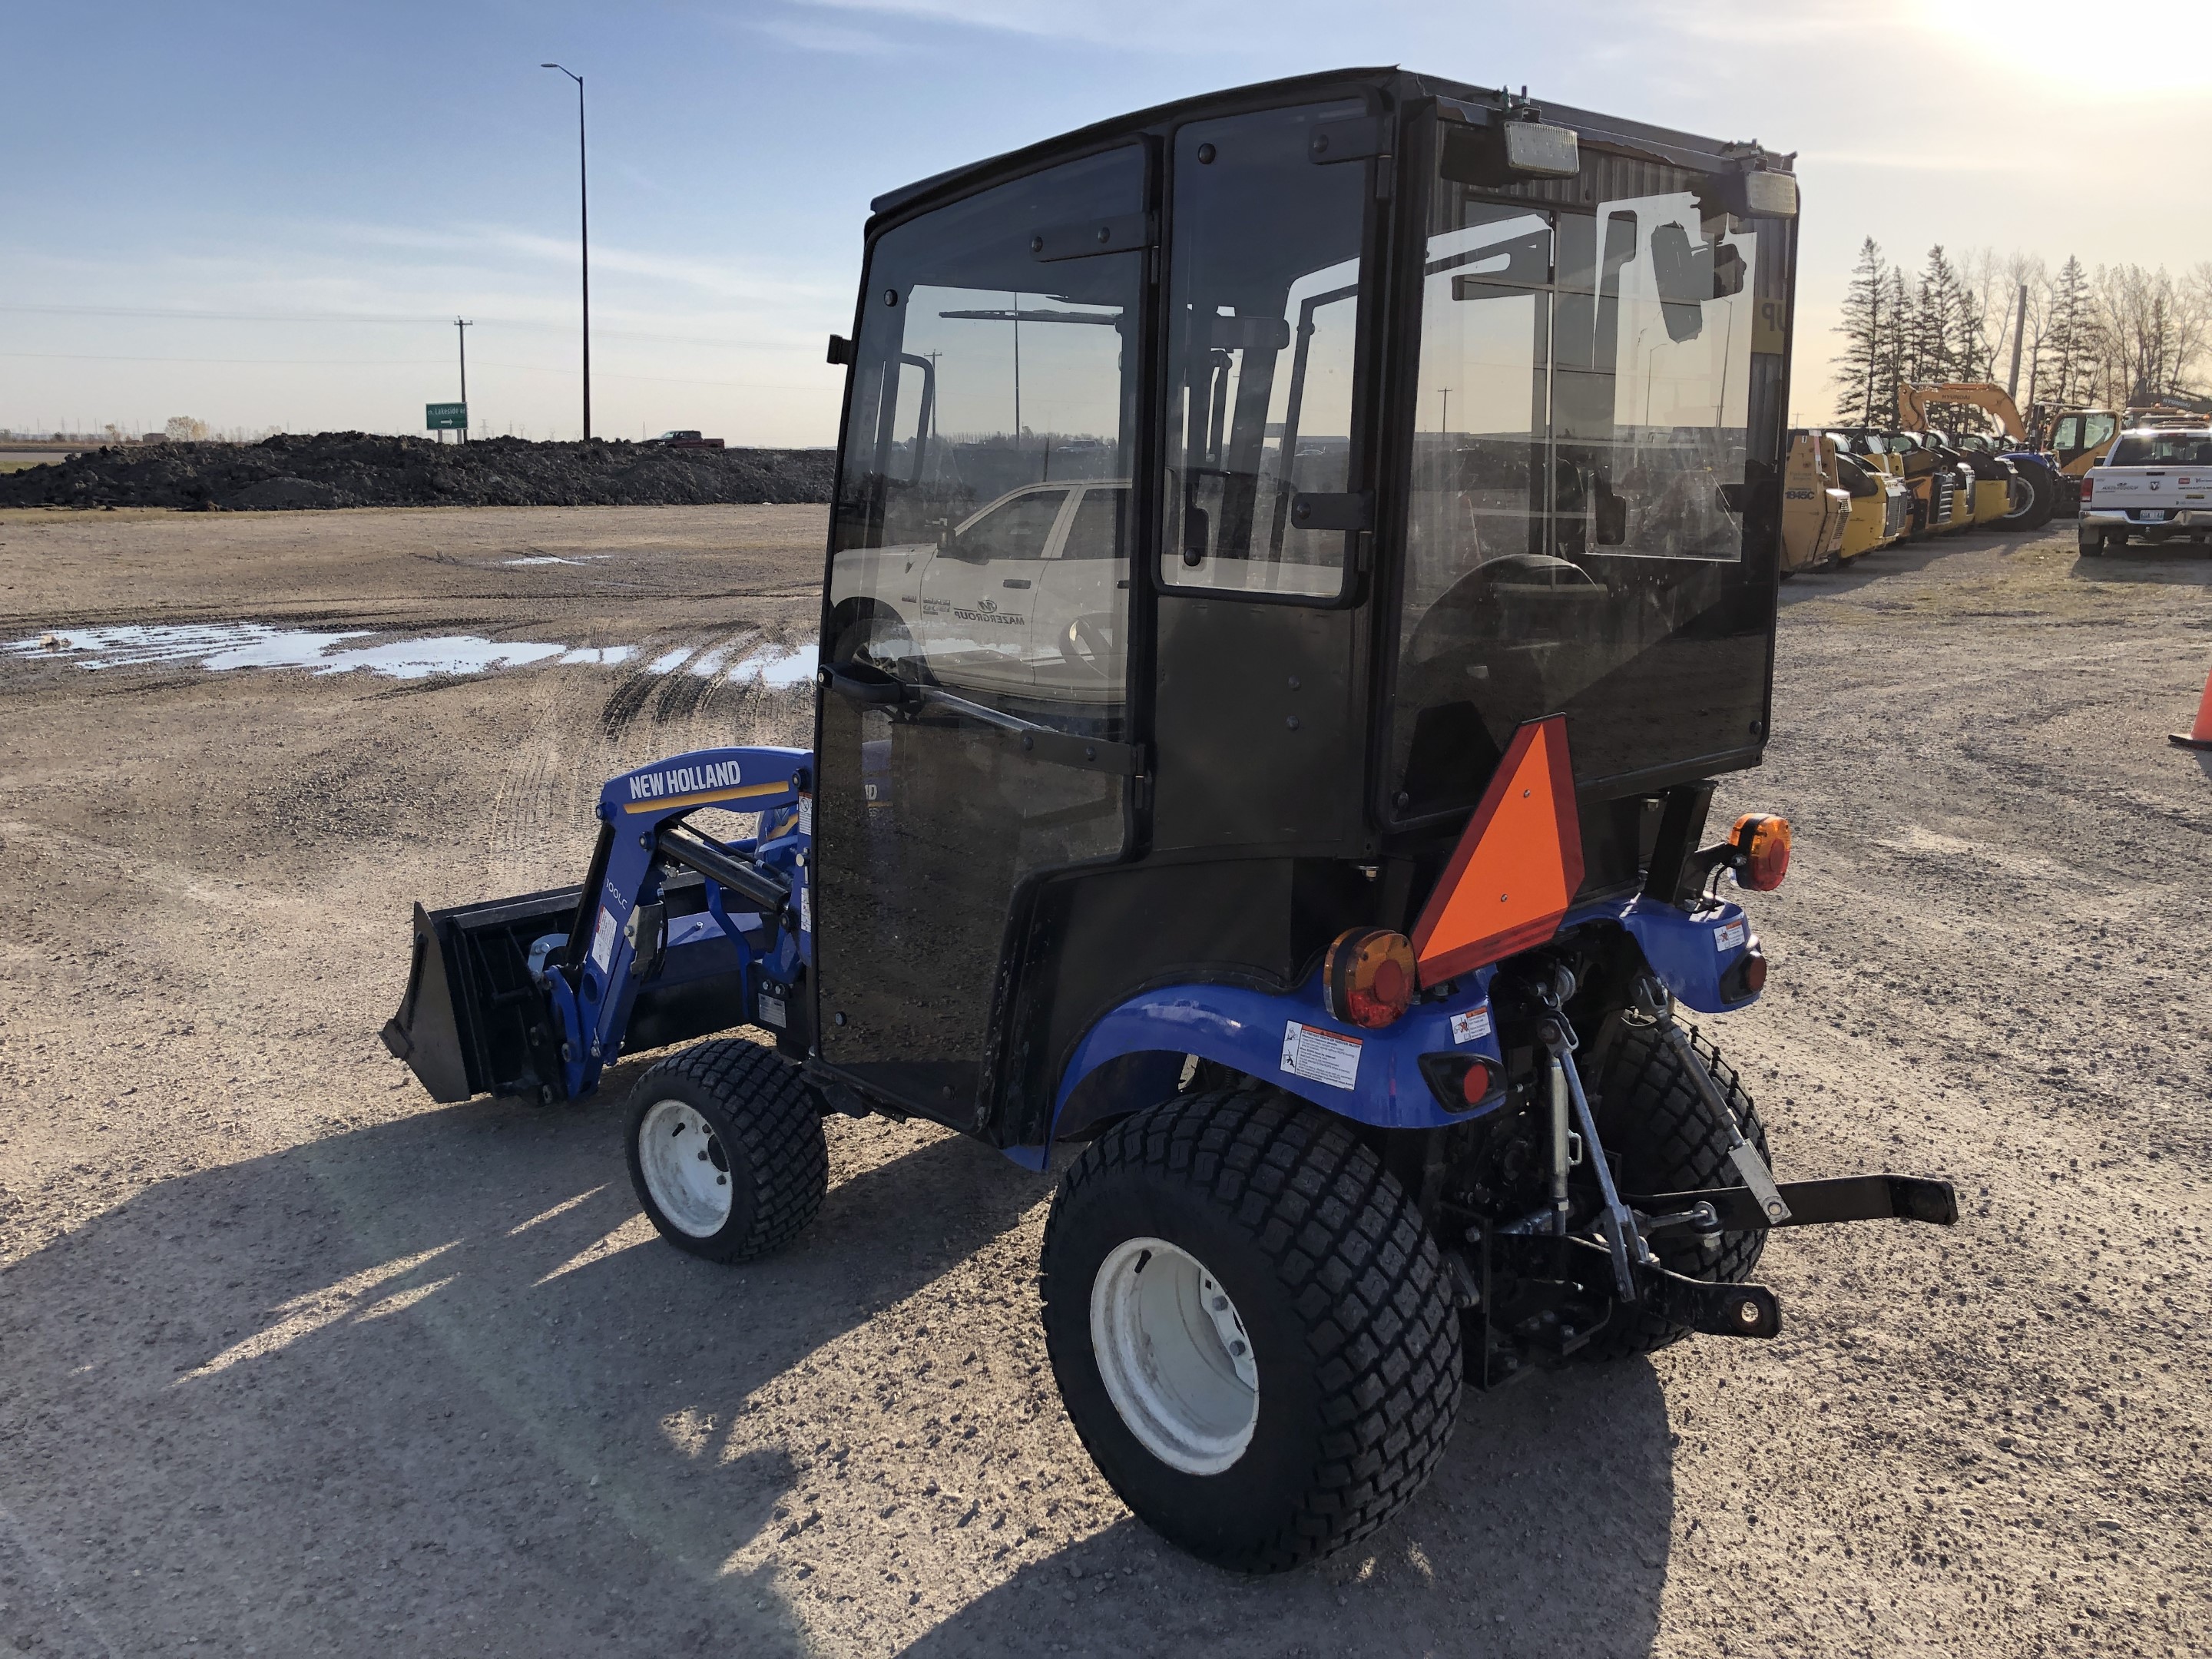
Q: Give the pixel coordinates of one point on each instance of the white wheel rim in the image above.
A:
(1174, 1357)
(686, 1170)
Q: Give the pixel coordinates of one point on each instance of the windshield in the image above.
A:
(1596, 387)
(2162, 449)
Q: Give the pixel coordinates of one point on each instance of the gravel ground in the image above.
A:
(293, 1361)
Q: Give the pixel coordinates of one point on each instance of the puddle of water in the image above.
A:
(779, 666)
(220, 646)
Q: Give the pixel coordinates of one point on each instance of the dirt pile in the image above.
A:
(361, 468)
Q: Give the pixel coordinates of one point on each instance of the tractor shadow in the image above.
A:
(1546, 1530)
(427, 1387)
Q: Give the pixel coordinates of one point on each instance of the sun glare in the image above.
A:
(2150, 46)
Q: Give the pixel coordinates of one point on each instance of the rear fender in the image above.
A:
(1290, 1040)
(1690, 951)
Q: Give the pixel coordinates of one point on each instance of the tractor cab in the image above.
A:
(1220, 491)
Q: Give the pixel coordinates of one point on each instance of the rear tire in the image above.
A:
(1657, 1123)
(1256, 1461)
(2041, 499)
(725, 1150)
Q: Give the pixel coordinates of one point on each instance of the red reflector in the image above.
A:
(1479, 1083)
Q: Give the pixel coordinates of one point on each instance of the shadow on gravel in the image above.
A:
(432, 1387)
(2169, 564)
(1547, 1530)
(1901, 559)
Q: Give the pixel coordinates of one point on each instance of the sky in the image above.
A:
(268, 215)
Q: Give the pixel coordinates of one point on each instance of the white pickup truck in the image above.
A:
(1029, 596)
(2155, 482)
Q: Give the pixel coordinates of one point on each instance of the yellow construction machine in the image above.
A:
(2018, 488)
(1816, 507)
(2013, 487)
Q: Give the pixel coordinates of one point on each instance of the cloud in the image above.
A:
(811, 36)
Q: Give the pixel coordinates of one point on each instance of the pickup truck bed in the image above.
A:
(2155, 483)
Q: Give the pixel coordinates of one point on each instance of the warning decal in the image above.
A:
(1471, 1025)
(1324, 1056)
(603, 942)
(1728, 938)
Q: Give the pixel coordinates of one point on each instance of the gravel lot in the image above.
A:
(293, 1361)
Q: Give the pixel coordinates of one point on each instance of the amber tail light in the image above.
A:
(1368, 976)
(1763, 842)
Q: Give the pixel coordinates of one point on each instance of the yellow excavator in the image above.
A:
(2016, 486)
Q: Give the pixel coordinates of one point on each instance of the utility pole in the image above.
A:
(584, 237)
(2019, 330)
(460, 323)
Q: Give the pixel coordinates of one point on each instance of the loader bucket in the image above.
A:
(473, 1021)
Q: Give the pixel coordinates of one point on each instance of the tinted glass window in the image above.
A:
(1585, 427)
(2097, 429)
(1095, 530)
(983, 371)
(1015, 529)
(1263, 317)
(2162, 449)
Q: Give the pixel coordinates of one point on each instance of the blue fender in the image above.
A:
(1690, 950)
(1291, 1040)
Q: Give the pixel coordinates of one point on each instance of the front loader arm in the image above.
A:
(673, 934)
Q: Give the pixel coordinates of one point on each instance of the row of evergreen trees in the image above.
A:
(2086, 340)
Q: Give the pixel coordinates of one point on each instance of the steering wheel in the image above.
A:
(1085, 644)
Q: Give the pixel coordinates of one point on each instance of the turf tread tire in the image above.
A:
(1653, 1119)
(1356, 1270)
(769, 1120)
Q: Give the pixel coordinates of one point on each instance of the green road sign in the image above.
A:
(446, 417)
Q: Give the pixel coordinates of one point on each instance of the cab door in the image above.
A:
(952, 779)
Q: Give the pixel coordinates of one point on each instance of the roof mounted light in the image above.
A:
(1541, 150)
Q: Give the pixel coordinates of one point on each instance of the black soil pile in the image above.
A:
(359, 469)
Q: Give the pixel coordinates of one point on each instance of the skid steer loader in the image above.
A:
(1268, 775)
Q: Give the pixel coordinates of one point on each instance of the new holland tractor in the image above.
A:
(1300, 559)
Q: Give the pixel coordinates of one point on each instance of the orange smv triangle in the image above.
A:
(1518, 862)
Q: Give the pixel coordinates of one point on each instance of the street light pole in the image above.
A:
(584, 238)
(460, 323)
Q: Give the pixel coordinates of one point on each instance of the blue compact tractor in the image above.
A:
(1300, 558)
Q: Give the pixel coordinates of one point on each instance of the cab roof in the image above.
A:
(1397, 86)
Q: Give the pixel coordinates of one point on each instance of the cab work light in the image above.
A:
(1764, 840)
(1368, 977)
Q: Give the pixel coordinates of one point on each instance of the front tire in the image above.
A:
(725, 1150)
(1263, 1222)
